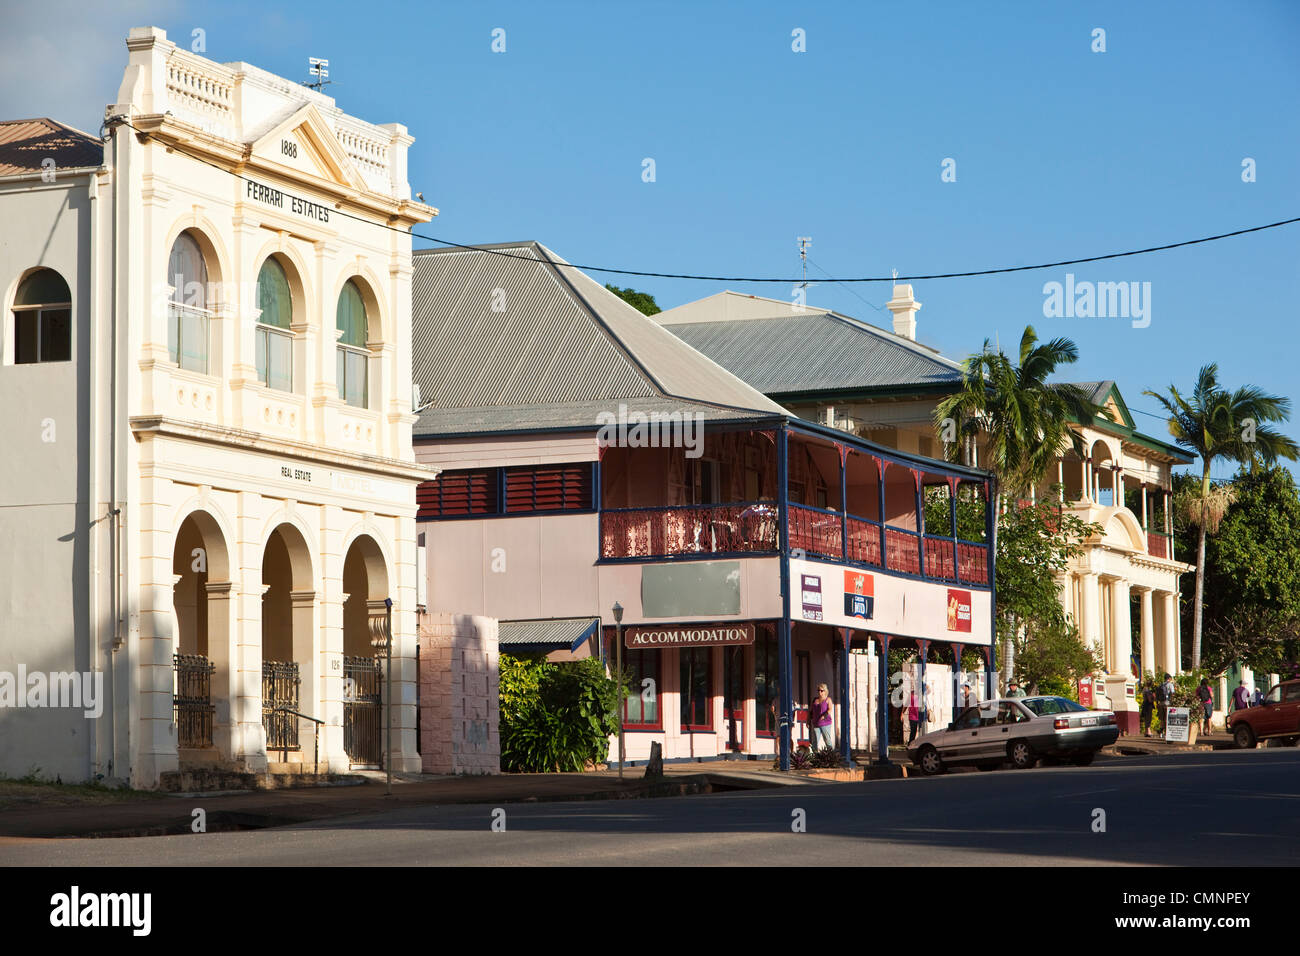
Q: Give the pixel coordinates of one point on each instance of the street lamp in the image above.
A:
(618, 664)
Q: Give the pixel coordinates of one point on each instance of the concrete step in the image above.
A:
(213, 780)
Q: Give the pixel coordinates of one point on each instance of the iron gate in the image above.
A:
(280, 684)
(192, 700)
(362, 709)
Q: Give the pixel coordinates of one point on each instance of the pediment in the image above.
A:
(303, 144)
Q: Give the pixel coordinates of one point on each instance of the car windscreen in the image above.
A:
(1043, 706)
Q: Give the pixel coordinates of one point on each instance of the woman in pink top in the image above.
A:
(823, 735)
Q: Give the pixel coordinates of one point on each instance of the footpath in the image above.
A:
(363, 792)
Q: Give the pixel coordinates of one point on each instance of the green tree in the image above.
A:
(1252, 582)
(1025, 419)
(643, 302)
(1215, 423)
(1035, 543)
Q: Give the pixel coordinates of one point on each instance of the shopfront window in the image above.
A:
(767, 685)
(641, 706)
(697, 688)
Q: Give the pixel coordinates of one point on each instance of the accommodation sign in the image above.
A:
(277, 197)
(641, 638)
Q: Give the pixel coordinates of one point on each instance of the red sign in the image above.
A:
(641, 638)
(858, 582)
(958, 610)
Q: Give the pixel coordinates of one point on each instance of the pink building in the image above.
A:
(589, 457)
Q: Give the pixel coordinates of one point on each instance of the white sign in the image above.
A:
(1177, 722)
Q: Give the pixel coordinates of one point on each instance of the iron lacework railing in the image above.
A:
(280, 684)
(741, 528)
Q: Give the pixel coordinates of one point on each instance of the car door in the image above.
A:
(1267, 718)
(998, 728)
(962, 739)
(1288, 718)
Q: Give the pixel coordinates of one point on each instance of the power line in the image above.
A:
(718, 278)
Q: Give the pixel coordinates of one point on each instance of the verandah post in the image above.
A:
(785, 656)
(882, 703)
(846, 753)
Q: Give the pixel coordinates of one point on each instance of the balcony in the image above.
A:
(846, 501)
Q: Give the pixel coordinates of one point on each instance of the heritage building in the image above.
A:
(209, 495)
(589, 459)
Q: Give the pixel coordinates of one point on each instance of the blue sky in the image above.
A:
(1059, 151)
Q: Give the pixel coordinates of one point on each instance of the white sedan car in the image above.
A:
(1020, 730)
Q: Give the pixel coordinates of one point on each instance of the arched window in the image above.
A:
(352, 352)
(187, 313)
(43, 319)
(274, 340)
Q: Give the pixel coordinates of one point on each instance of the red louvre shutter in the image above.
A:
(456, 493)
(548, 488)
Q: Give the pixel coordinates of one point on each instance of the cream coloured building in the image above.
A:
(211, 493)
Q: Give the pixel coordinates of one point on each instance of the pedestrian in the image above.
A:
(1148, 707)
(1258, 698)
(968, 698)
(913, 716)
(1164, 695)
(1014, 690)
(1206, 697)
(1240, 696)
(823, 735)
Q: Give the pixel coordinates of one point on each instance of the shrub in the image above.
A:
(555, 717)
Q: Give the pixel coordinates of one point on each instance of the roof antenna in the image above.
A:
(320, 69)
(804, 243)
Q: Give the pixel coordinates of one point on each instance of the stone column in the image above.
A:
(1169, 637)
(1090, 626)
(1148, 637)
(248, 736)
(1122, 628)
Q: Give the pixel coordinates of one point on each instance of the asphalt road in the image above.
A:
(1191, 809)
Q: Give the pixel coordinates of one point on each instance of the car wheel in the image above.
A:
(1244, 737)
(1022, 755)
(1083, 760)
(989, 766)
(930, 761)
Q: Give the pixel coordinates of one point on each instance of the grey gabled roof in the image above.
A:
(497, 329)
(817, 352)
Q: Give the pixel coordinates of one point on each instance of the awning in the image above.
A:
(549, 634)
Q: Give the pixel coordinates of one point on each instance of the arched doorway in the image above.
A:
(365, 584)
(201, 655)
(288, 606)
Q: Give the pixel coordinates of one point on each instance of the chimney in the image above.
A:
(904, 308)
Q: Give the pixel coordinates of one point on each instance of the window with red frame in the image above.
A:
(641, 704)
(696, 688)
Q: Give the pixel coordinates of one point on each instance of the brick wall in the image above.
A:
(458, 694)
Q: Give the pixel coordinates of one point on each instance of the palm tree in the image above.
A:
(1215, 423)
(1026, 419)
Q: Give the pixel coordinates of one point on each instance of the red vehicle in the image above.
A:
(1277, 716)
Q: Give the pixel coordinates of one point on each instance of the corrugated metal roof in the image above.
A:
(26, 144)
(494, 333)
(819, 351)
(562, 416)
(567, 632)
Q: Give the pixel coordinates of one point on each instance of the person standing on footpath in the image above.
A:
(1240, 696)
(1148, 708)
(1206, 697)
(823, 735)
